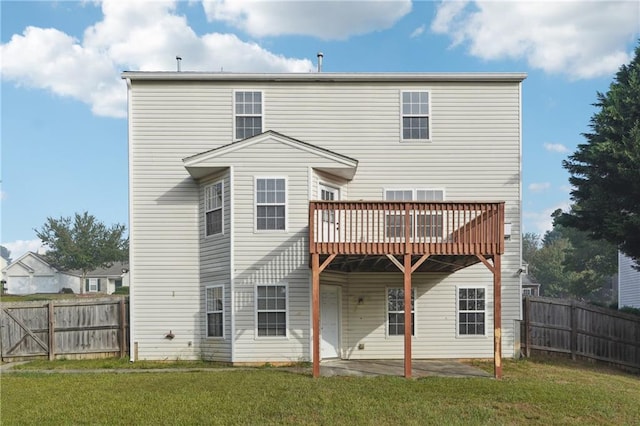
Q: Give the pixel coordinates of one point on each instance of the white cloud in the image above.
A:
(566, 188)
(556, 147)
(539, 187)
(541, 221)
(583, 39)
(137, 35)
(328, 20)
(20, 247)
(418, 31)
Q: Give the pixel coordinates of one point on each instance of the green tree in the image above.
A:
(83, 243)
(547, 268)
(605, 171)
(530, 245)
(5, 253)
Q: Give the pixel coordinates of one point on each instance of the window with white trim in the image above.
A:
(215, 311)
(213, 208)
(271, 204)
(395, 311)
(471, 311)
(428, 225)
(271, 310)
(415, 116)
(527, 292)
(92, 285)
(248, 114)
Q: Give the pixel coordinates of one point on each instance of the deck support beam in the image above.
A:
(496, 270)
(316, 269)
(407, 316)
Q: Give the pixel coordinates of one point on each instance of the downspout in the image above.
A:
(232, 271)
(133, 352)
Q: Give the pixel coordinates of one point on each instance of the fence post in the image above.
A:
(123, 328)
(52, 337)
(574, 330)
(527, 326)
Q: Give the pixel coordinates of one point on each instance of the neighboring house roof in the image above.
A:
(325, 76)
(115, 270)
(212, 161)
(528, 281)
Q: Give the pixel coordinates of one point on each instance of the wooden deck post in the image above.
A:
(497, 317)
(315, 296)
(407, 316)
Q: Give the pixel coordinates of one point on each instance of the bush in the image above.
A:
(66, 290)
(630, 310)
(122, 290)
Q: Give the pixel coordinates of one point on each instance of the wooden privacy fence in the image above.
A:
(64, 328)
(580, 330)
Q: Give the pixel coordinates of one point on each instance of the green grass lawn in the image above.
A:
(531, 392)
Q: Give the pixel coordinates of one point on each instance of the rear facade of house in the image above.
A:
(242, 184)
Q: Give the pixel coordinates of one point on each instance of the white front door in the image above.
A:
(329, 321)
(330, 221)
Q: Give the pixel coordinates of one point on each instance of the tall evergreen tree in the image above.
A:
(605, 171)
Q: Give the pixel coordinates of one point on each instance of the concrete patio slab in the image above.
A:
(420, 368)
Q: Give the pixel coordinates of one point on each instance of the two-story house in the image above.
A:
(299, 217)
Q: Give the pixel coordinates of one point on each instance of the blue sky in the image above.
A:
(63, 109)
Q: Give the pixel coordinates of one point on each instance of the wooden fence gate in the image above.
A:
(64, 328)
(580, 330)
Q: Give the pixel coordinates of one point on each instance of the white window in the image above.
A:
(471, 311)
(92, 285)
(271, 204)
(248, 114)
(395, 311)
(215, 311)
(428, 225)
(415, 116)
(527, 292)
(271, 310)
(213, 208)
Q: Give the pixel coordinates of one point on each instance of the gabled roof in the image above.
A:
(212, 161)
(19, 262)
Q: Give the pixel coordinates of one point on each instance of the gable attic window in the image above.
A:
(415, 116)
(248, 114)
(213, 203)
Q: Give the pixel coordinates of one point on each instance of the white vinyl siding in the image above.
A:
(215, 311)
(248, 114)
(474, 152)
(214, 205)
(628, 283)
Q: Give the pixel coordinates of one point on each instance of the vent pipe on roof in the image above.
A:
(320, 56)
(178, 59)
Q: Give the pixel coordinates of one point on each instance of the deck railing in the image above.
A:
(398, 227)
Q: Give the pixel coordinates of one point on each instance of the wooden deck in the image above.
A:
(398, 227)
(408, 235)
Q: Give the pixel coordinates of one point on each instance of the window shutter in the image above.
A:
(86, 284)
(99, 284)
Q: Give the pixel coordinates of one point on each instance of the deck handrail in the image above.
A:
(401, 227)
